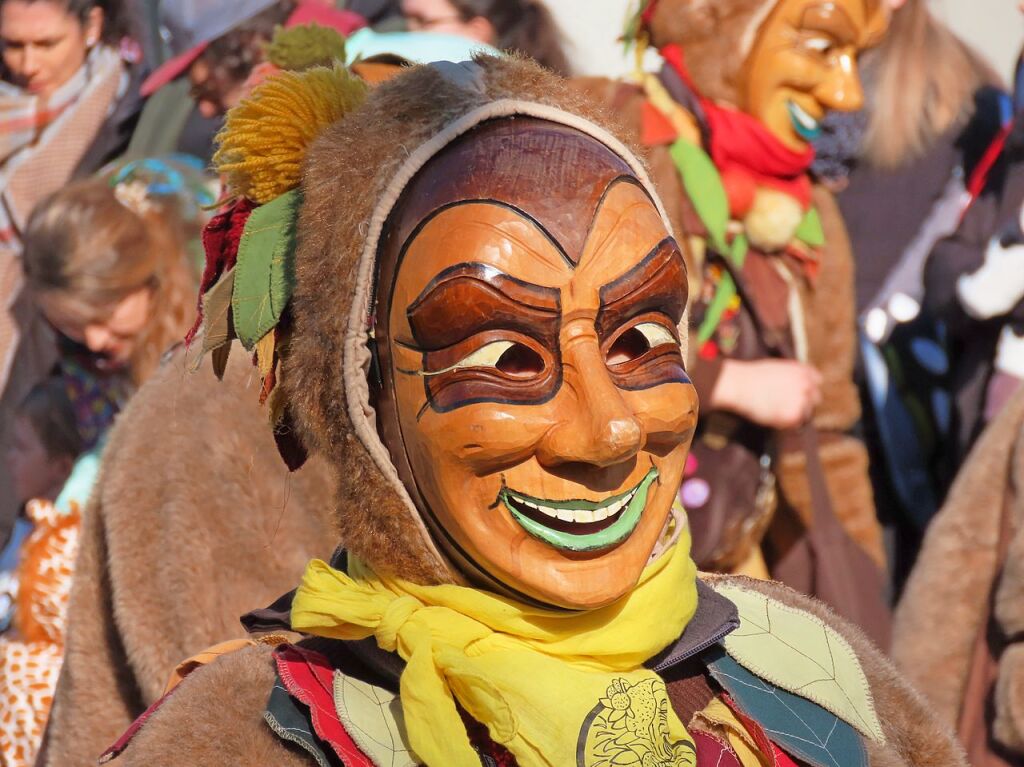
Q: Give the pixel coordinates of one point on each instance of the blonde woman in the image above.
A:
(108, 268)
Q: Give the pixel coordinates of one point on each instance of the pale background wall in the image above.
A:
(994, 27)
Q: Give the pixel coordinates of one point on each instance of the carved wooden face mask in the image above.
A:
(804, 63)
(533, 394)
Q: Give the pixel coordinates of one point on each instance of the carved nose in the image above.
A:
(596, 425)
(843, 90)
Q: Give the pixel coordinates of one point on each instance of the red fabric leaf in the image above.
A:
(309, 677)
(782, 758)
(221, 238)
(711, 752)
(764, 744)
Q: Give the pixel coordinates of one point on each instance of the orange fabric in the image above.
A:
(655, 128)
(211, 654)
(32, 654)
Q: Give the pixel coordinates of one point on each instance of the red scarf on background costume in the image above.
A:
(745, 152)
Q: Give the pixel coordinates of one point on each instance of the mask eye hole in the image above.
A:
(637, 341)
(513, 359)
(520, 361)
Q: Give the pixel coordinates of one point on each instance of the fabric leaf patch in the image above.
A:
(810, 230)
(308, 677)
(217, 313)
(798, 725)
(285, 718)
(265, 270)
(712, 752)
(799, 653)
(704, 188)
(374, 718)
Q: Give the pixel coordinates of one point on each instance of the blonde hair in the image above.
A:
(924, 78)
(85, 251)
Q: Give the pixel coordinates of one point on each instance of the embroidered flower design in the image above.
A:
(630, 727)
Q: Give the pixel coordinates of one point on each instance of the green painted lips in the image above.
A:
(601, 524)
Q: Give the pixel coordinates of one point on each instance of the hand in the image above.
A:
(779, 394)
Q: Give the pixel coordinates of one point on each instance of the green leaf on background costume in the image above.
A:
(799, 726)
(798, 652)
(704, 187)
(265, 274)
(810, 231)
(724, 293)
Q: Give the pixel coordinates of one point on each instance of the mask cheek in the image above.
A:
(668, 414)
(487, 438)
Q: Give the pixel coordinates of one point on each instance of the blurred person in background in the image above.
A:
(109, 270)
(511, 25)
(214, 47)
(959, 640)
(108, 266)
(974, 282)
(776, 484)
(40, 458)
(69, 101)
(32, 593)
(933, 108)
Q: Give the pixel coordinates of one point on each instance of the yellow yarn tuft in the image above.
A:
(265, 138)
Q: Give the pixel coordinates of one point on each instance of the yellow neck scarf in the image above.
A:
(554, 687)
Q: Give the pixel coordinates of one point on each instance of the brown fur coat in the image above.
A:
(958, 589)
(221, 707)
(194, 521)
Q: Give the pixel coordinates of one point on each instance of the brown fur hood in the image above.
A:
(354, 175)
(716, 35)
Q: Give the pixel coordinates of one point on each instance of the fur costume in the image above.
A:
(958, 626)
(716, 38)
(233, 724)
(351, 180)
(188, 454)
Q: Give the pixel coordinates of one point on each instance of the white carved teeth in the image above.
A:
(580, 516)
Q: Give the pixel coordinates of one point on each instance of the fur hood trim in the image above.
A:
(355, 174)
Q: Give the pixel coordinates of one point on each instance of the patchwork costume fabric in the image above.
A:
(423, 645)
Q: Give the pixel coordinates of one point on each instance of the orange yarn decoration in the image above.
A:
(265, 138)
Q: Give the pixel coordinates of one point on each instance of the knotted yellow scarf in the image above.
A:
(554, 687)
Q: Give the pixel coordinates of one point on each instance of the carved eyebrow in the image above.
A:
(831, 19)
(487, 299)
(657, 282)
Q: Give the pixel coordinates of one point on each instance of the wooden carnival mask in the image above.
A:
(803, 62)
(532, 390)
